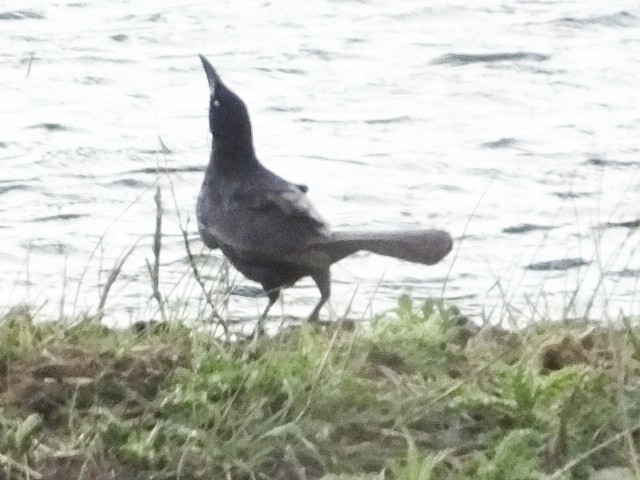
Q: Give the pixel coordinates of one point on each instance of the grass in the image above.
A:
(420, 394)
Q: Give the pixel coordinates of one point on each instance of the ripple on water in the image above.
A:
(96, 59)
(60, 217)
(156, 17)
(600, 162)
(459, 59)
(319, 53)
(618, 19)
(51, 127)
(14, 186)
(45, 245)
(248, 291)
(283, 108)
(501, 143)
(129, 183)
(21, 15)
(558, 265)
(369, 121)
(158, 170)
(626, 273)
(94, 81)
(332, 159)
(526, 227)
(573, 195)
(445, 186)
(288, 71)
(628, 224)
(120, 37)
(400, 119)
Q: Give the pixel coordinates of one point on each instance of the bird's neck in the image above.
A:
(229, 157)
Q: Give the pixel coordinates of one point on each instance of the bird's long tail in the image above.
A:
(419, 246)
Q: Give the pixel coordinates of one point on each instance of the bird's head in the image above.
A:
(228, 116)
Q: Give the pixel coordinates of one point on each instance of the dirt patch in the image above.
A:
(591, 346)
(46, 382)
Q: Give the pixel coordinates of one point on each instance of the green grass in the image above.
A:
(416, 395)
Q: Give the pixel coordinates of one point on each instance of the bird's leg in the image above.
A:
(273, 295)
(323, 281)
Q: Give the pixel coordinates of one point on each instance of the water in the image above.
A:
(514, 126)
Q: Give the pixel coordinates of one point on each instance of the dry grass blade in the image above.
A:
(580, 458)
(113, 275)
(154, 271)
(323, 363)
(464, 232)
(30, 63)
(18, 466)
(198, 277)
(191, 258)
(623, 373)
(99, 243)
(64, 288)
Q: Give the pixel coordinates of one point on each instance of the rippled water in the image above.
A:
(515, 126)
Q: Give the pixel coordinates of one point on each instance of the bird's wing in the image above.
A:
(264, 218)
(291, 204)
(276, 224)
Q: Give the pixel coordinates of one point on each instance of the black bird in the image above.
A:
(266, 226)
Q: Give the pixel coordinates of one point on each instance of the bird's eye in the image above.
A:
(216, 103)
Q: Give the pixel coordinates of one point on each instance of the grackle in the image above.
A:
(266, 226)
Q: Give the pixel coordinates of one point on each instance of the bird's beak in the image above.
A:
(212, 76)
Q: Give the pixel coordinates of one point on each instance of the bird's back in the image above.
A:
(261, 217)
